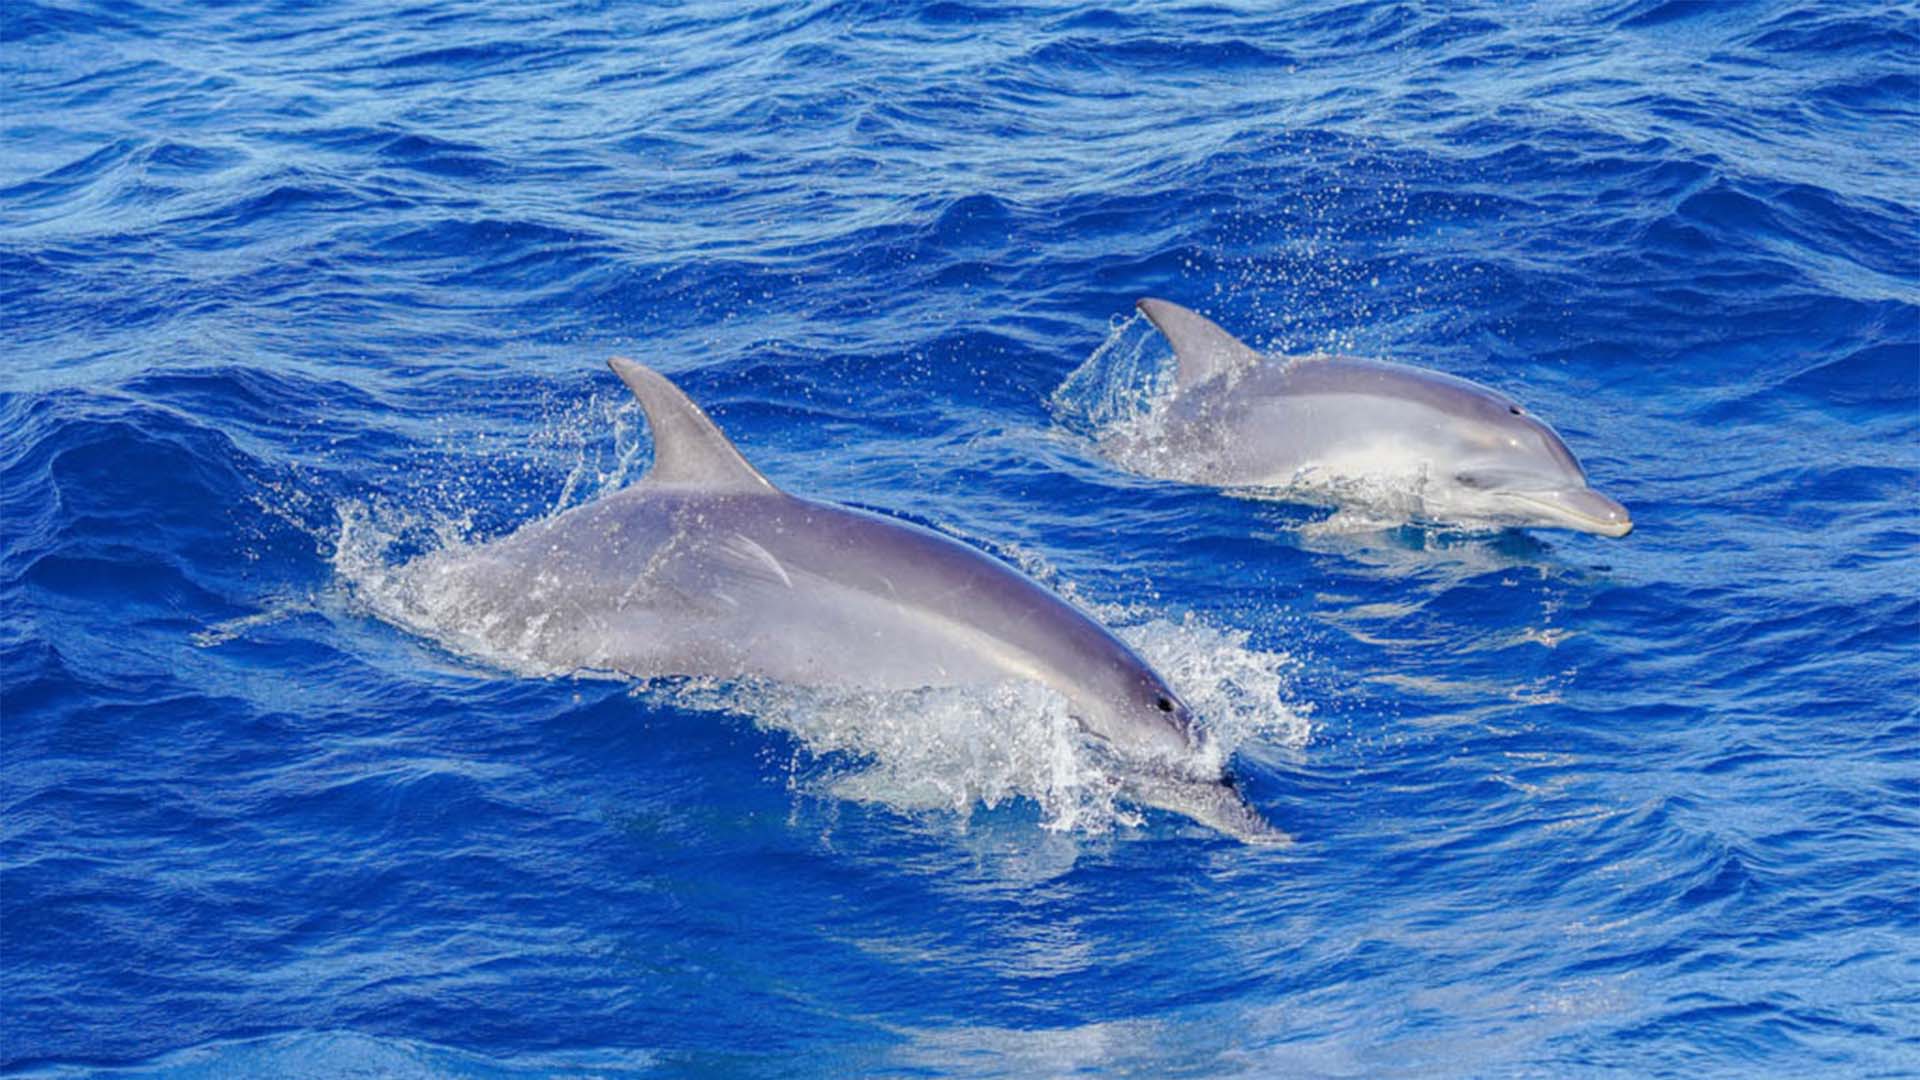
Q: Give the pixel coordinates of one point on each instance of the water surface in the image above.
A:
(291, 295)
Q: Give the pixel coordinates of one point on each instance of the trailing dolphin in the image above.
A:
(705, 568)
(1342, 429)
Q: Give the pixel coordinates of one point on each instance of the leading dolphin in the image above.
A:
(1344, 429)
(705, 568)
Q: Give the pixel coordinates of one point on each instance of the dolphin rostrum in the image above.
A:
(704, 568)
(1339, 429)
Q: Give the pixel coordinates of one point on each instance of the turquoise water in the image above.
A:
(293, 294)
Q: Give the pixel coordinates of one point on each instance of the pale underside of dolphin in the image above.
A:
(704, 568)
(1337, 429)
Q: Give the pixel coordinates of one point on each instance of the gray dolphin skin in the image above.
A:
(704, 568)
(1334, 429)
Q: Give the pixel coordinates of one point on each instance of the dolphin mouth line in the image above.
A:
(1215, 801)
(1586, 522)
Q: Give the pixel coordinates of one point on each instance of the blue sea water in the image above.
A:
(290, 293)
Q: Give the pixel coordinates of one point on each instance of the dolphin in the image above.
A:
(1343, 429)
(704, 568)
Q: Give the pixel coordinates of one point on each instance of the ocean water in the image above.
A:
(290, 294)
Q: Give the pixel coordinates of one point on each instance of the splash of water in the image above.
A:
(1119, 383)
(1117, 398)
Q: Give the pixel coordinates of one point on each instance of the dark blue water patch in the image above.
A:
(1636, 14)
(1831, 30)
(30, 20)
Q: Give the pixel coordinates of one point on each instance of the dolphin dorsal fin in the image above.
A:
(1201, 348)
(688, 450)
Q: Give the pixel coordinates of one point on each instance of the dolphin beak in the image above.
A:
(1217, 804)
(1580, 508)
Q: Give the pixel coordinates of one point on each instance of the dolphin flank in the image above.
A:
(1343, 429)
(705, 568)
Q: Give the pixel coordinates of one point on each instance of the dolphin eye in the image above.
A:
(1514, 409)
(1166, 705)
